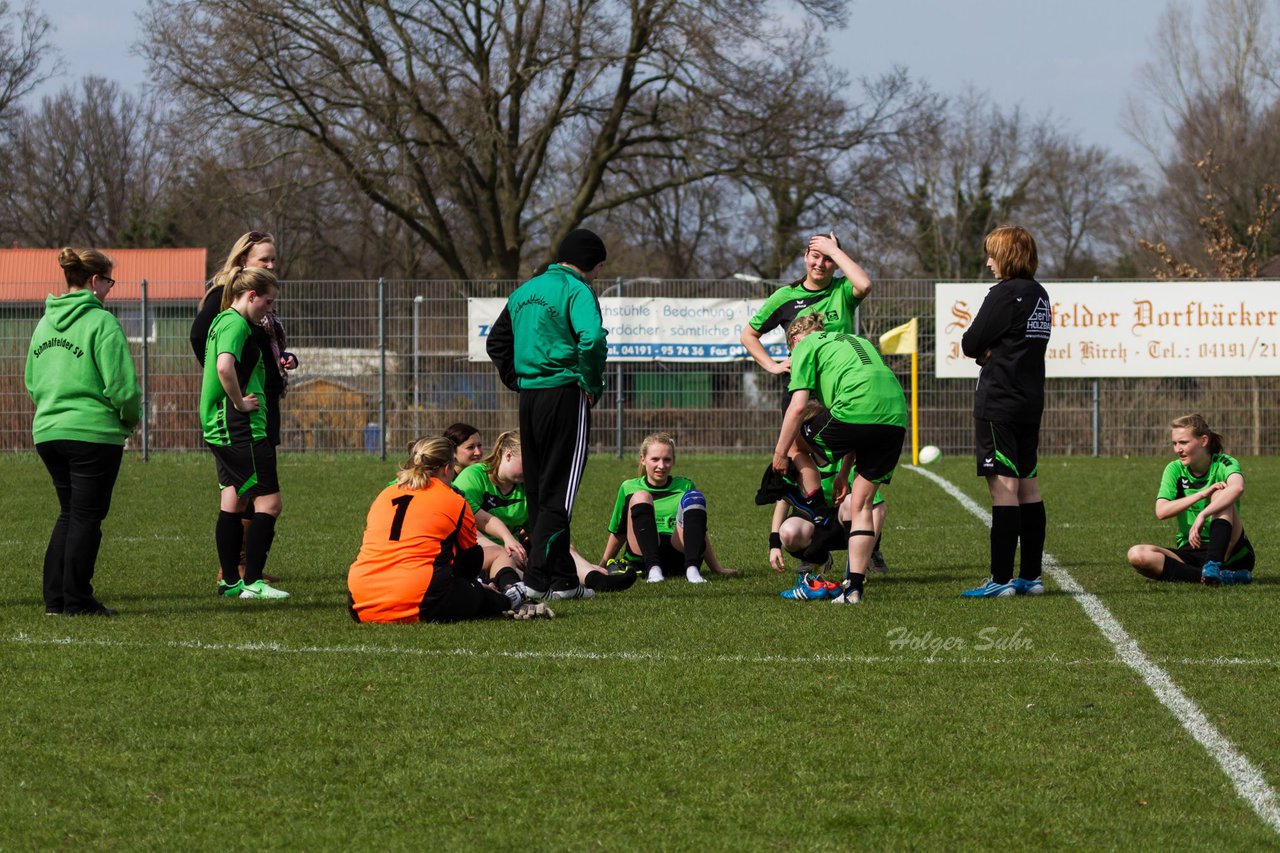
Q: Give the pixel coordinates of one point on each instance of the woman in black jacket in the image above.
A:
(1008, 338)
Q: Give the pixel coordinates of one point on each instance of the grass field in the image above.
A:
(668, 716)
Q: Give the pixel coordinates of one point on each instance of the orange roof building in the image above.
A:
(29, 275)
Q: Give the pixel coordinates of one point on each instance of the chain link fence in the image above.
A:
(383, 362)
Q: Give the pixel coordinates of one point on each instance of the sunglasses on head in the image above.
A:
(256, 236)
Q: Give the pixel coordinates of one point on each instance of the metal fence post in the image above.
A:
(146, 381)
(1097, 417)
(382, 367)
(417, 353)
(617, 417)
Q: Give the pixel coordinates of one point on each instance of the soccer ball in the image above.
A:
(929, 454)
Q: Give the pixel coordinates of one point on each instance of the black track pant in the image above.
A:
(84, 475)
(554, 423)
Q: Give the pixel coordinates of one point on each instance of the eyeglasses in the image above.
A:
(111, 282)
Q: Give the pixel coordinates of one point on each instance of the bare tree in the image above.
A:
(85, 167)
(1077, 206)
(964, 166)
(26, 59)
(482, 126)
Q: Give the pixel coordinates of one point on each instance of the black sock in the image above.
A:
(1005, 527)
(695, 536)
(1032, 540)
(226, 537)
(1219, 539)
(506, 578)
(816, 553)
(645, 525)
(853, 583)
(262, 530)
(1176, 570)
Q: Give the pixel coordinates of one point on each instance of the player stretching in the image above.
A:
(1202, 489)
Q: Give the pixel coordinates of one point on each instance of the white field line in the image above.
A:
(912, 657)
(1246, 778)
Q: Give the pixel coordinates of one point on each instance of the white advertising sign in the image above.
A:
(1133, 329)
(652, 328)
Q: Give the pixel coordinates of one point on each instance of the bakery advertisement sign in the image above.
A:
(1133, 329)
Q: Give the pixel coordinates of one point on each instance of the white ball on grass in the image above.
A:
(929, 454)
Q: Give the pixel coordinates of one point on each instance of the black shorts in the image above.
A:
(250, 468)
(669, 557)
(1007, 450)
(876, 446)
(1241, 558)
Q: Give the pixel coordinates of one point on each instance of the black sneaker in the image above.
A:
(96, 610)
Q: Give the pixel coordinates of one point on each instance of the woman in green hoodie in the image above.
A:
(80, 376)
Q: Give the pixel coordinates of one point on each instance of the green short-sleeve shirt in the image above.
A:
(511, 509)
(836, 303)
(223, 425)
(848, 376)
(1178, 482)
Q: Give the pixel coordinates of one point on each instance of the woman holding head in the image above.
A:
(234, 419)
(419, 559)
(80, 376)
(817, 292)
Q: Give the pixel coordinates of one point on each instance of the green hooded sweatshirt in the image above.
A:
(80, 374)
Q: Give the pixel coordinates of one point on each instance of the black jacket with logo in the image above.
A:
(1013, 323)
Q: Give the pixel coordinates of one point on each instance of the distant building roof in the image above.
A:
(29, 275)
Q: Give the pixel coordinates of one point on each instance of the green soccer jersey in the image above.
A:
(482, 494)
(1178, 482)
(666, 502)
(836, 303)
(847, 375)
(222, 424)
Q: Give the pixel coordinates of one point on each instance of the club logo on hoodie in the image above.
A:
(59, 342)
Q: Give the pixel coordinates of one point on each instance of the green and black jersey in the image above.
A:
(1178, 481)
(474, 484)
(666, 503)
(836, 303)
(222, 424)
(847, 375)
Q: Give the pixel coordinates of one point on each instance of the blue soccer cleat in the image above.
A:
(1211, 573)
(1231, 577)
(991, 589)
(810, 588)
(1022, 586)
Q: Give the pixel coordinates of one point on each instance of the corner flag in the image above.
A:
(902, 341)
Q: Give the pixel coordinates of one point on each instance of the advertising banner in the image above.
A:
(1132, 329)
(653, 328)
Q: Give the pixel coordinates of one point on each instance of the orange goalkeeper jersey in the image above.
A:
(407, 535)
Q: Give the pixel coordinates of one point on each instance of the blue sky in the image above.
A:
(1076, 61)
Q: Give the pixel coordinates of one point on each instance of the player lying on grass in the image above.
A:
(419, 560)
(866, 418)
(660, 520)
(1201, 489)
(494, 489)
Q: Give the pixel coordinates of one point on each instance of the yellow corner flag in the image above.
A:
(900, 341)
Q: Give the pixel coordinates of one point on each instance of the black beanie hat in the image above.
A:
(582, 248)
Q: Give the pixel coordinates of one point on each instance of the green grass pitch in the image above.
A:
(668, 716)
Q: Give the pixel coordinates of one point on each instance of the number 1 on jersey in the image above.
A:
(402, 506)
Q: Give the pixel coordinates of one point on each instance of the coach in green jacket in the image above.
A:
(80, 376)
(549, 346)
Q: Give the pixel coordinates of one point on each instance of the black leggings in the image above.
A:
(84, 475)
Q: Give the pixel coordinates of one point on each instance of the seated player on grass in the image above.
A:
(419, 560)
(1202, 489)
(866, 418)
(661, 520)
(494, 489)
